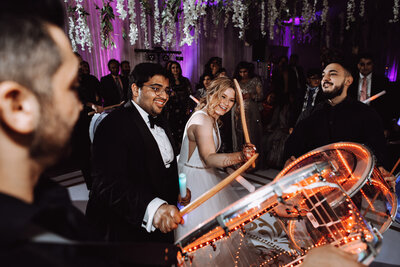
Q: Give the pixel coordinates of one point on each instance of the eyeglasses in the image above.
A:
(159, 90)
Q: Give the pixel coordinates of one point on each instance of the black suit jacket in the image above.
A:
(381, 104)
(129, 172)
(110, 92)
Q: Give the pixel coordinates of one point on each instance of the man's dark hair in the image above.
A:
(143, 72)
(112, 61)
(124, 62)
(314, 71)
(28, 54)
(366, 56)
(344, 65)
(51, 11)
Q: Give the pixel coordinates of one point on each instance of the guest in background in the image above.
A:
(222, 73)
(125, 69)
(203, 85)
(368, 83)
(298, 71)
(283, 114)
(311, 95)
(213, 66)
(113, 87)
(88, 92)
(179, 105)
(252, 96)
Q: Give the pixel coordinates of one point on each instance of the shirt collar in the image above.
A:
(368, 76)
(312, 88)
(142, 112)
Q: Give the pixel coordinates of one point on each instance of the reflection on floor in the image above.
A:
(388, 257)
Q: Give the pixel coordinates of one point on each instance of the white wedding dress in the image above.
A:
(199, 180)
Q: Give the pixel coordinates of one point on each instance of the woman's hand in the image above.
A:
(248, 151)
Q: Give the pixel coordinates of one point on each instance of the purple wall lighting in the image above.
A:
(392, 71)
(297, 21)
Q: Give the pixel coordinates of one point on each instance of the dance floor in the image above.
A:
(388, 257)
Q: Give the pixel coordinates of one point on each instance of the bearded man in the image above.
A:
(339, 118)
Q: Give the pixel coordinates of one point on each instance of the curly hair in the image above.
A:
(214, 94)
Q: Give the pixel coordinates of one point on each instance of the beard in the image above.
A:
(50, 140)
(337, 91)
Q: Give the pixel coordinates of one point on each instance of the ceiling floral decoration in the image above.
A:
(168, 22)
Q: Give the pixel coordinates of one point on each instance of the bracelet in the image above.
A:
(242, 157)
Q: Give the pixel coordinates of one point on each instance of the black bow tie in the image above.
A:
(155, 121)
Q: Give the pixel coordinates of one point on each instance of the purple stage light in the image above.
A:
(392, 71)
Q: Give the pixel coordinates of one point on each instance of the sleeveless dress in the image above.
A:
(200, 179)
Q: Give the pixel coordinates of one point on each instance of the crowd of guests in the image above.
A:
(274, 105)
(134, 194)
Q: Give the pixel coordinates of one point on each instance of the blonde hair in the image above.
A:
(214, 94)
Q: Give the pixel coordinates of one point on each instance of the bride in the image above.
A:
(199, 158)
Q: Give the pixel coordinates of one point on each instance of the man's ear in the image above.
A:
(349, 80)
(19, 107)
(135, 90)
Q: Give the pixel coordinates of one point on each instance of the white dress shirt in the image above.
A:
(167, 154)
(360, 82)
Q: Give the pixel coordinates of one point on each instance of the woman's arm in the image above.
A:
(201, 132)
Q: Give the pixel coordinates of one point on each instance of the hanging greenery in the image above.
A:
(79, 31)
(106, 16)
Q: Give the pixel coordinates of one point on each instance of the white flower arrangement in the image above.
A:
(157, 29)
(350, 13)
(143, 25)
(133, 28)
(82, 31)
(307, 15)
(168, 24)
(121, 10)
(395, 12)
(239, 15)
(272, 16)
(190, 17)
(362, 8)
(325, 10)
(262, 24)
(71, 33)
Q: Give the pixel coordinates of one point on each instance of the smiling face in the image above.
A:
(147, 98)
(335, 80)
(226, 102)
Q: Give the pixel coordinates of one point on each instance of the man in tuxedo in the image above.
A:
(135, 185)
(367, 83)
(113, 87)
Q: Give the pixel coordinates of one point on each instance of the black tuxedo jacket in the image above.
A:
(129, 172)
(109, 90)
(381, 104)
